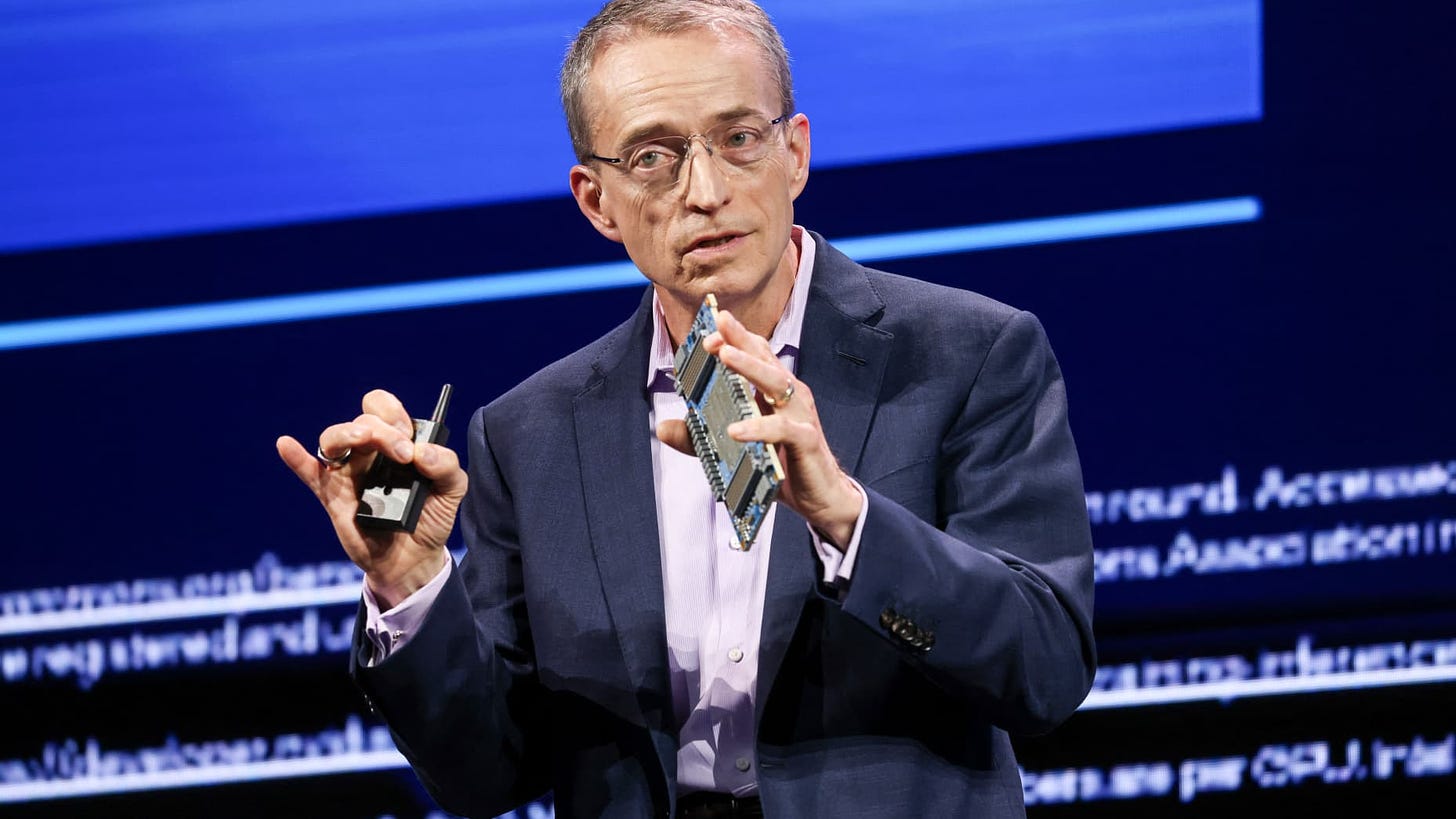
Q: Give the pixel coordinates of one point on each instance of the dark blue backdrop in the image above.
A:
(175, 154)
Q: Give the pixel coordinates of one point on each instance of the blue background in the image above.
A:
(182, 153)
(168, 116)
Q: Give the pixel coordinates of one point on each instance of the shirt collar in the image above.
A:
(785, 337)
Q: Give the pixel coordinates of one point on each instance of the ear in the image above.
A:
(798, 138)
(586, 187)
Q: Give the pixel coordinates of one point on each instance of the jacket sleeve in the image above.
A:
(461, 696)
(993, 600)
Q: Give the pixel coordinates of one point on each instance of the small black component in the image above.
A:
(695, 374)
(393, 493)
(740, 491)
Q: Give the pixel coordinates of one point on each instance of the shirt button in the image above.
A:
(736, 655)
(742, 763)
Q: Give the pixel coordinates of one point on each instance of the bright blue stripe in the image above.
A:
(1054, 229)
(273, 309)
(583, 278)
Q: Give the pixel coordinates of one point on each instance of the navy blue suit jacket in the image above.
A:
(543, 664)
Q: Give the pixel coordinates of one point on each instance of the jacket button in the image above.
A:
(887, 619)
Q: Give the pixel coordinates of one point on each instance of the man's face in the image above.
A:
(717, 228)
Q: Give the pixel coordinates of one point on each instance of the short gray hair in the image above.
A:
(620, 19)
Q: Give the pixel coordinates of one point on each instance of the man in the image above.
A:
(923, 588)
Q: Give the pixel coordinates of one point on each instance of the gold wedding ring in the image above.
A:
(782, 399)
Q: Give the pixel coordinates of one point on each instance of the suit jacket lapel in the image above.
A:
(611, 417)
(842, 358)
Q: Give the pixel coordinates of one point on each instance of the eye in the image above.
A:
(652, 157)
(741, 138)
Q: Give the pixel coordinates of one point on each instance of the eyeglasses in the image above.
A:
(656, 162)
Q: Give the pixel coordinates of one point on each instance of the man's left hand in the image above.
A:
(814, 485)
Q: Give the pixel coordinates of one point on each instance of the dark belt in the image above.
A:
(710, 805)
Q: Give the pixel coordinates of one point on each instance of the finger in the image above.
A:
(385, 405)
(743, 338)
(750, 355)
(773, 429)
(768, 377)
(387, 438)
(339, 437)
(367, 433)
(300, 460)
(442, 466)
(674, 433)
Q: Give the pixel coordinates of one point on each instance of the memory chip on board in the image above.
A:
(745, 476)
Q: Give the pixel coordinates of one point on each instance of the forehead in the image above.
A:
(678, 81)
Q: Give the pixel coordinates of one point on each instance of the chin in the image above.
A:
(735, 277)
(731, 292)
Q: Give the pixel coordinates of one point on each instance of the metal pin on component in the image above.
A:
(443, 404)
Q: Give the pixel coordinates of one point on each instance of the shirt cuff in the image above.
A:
(837, 565)
(388, 631)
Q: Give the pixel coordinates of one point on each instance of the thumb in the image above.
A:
(675, 435)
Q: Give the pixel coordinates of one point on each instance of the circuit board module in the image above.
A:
(745, 476)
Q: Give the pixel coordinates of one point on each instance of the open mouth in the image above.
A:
(713, 242)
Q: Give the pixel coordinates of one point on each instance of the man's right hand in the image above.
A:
(395, 564)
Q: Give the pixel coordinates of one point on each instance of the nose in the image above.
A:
(707, 184)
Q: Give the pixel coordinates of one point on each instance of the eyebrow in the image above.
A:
(658, 129)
